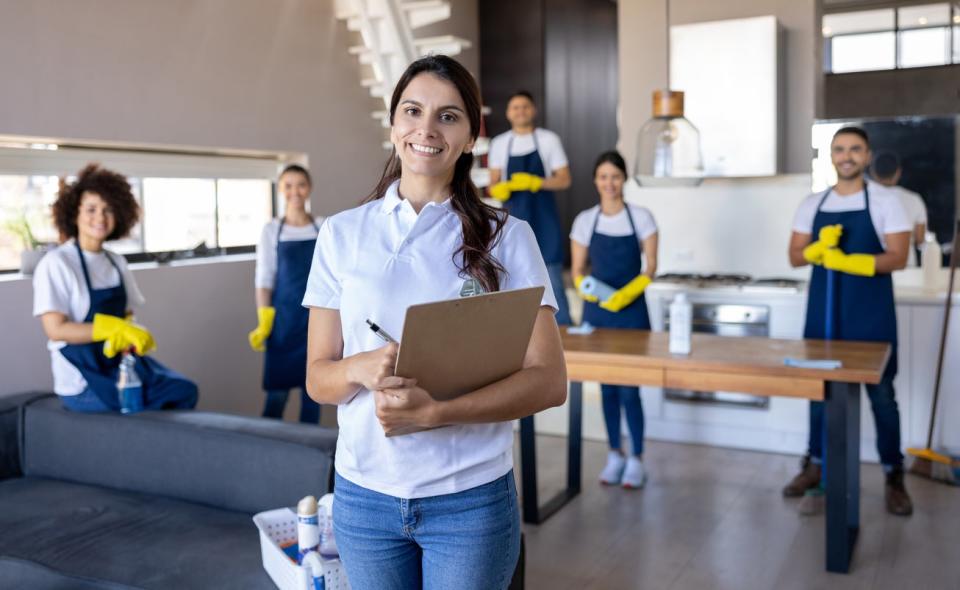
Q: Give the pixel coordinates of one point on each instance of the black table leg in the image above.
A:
(532, 511)
(842, 473)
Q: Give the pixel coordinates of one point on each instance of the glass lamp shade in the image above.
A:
(668, 145)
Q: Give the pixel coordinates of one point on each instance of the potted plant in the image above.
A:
(33, 250)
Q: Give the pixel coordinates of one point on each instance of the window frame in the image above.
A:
(952, 27)
(32, 157)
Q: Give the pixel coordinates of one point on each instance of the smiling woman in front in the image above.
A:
(437, 508)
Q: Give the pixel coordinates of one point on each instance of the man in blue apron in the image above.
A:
(162, 387)
(863, 234)
(526, 165)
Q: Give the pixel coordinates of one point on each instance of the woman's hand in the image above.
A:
(405, 408)
(374, 369)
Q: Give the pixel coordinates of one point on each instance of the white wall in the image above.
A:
(726, 226)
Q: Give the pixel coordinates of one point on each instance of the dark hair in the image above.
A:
(297, 169)
(112, 188)
(482, 224)
(524, 94)
(611, 157)
(885, 165)
(859, 132)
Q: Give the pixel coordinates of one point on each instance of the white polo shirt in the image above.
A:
(374, 262)
(886, 210)
(265, 276)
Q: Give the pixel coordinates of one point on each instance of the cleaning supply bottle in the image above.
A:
(930, 260)
(308, 540)
(681, 324)
(129, 386)
(328, 542)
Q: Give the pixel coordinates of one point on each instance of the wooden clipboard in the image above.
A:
(456, 346)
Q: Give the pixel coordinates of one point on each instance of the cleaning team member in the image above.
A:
(614, 238)
(283, 264)
(863, 235)
(436, 508)
(526, 165)
(84, 296)
(886, 170)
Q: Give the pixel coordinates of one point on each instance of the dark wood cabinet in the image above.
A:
(564, 52)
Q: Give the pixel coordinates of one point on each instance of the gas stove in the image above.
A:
(739, 282)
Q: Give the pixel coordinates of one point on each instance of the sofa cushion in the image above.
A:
(66, 530)
(20, 573)
(10, 410)
(230, 462)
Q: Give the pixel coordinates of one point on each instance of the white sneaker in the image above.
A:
(613, 471)
(634, 475)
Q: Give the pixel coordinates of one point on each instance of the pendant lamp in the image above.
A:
(668, 145)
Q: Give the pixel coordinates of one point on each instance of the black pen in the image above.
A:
(379, 332)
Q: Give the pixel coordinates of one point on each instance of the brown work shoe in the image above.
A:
(809, 477)
(898, 500)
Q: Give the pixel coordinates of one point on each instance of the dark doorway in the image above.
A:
(565, 53)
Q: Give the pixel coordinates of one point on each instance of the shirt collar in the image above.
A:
(392, 201)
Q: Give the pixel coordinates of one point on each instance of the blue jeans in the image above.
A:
(614, 396)
(467, 541)
(886, 416)
(277, 401)
(555, 271)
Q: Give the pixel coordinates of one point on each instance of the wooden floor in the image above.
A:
(713, 518)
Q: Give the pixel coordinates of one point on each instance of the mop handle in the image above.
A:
(943, 333)
(829, 311)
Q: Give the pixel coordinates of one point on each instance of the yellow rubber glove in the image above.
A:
(577, 281)
(522, 181)
(814, 253)
(830, 235)
(864, 265)
(258, 336)
(626, 294)
(119, 334)
(501, 191)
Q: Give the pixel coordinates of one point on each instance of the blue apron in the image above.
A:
(538, 209)
(162, 387)
(864, 307)
(616, 260)
(285, 362)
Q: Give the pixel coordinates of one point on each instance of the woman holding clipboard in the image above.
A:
(437, 508)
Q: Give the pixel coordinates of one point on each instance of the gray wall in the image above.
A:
(892, 93)
(269, 75)
(219, 73)
(643, 63)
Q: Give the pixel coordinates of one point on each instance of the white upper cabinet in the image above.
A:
(729, 72)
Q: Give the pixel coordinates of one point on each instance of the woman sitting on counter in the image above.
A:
(614, 238)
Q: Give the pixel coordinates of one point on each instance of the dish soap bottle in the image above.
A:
(930, 260)
(681, 324)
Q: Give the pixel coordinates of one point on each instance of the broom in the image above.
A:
(927, 462)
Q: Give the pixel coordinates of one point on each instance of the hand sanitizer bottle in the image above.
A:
(681, 324)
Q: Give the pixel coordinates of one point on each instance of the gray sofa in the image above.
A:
(154, 500)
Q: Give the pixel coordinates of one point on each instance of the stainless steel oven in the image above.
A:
(724, 319)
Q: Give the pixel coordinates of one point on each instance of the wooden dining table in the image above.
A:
(719, 363)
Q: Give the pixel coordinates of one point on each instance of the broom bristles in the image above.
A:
(948, 472)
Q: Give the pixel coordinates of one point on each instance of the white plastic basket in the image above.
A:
(279, 528)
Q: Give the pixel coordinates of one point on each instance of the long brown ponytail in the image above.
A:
(482, 224)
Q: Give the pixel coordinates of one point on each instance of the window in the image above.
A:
(885, 39)
(187, 201)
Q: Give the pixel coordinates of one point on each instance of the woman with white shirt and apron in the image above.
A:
(437, 508)
(283, 264)
(84, 296)
(613, 238)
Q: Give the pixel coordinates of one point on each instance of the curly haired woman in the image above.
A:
(84, 296)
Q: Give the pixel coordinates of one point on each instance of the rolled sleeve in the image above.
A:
(324, 284)
(51, 287)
